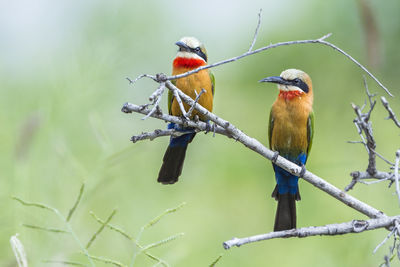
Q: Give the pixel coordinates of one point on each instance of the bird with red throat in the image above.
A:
(290, 133)
(191, 55)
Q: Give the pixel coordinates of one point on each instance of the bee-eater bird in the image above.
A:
(191, 55)
(290, 133)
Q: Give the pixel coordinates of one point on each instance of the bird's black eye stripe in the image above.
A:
(299, 83)
(200, 53)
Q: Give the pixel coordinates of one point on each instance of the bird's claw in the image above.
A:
(303, 170)
(275, 157)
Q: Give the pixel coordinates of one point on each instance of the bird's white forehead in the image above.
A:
(292, 74)
(192, 42)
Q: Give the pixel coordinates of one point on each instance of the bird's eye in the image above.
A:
(297, 80)
(197, 49)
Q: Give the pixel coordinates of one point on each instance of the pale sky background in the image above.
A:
(35, 32)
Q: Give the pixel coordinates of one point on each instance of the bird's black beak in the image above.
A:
(275, 79)
(182, 45)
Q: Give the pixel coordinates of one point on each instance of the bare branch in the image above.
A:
(256, 33)
(363, 125)
(158, 133)
(355, 226)
(364, 128)
(174, 77)
(198, 126)
(320, 40)
(256, 146)
(392, 116)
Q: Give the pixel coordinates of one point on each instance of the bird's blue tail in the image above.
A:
(287, 192)
(174, 157)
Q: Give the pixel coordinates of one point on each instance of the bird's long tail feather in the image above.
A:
(174, 158)
(285, 217)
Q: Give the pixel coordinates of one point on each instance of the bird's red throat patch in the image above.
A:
(189, 63)
(289, 95)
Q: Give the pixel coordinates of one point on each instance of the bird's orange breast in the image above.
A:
(191, 85)
(290, 118)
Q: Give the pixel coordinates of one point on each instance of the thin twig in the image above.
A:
(256, 32)
(364, 125)
(179, 100)
(392, 116)
(156, 98)
(358, 64)
(189, 113)
(141, 77)
(384, 240)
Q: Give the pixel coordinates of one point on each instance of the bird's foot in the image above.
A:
(196, 118)
(275, 157)
(303, 170)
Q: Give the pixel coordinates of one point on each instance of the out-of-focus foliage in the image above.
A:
(62, 76)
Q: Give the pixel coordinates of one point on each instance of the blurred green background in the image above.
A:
(62, 73)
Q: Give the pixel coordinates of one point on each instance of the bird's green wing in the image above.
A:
(310, 131)
(212, 82)
(170, 98)
(270, 127)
